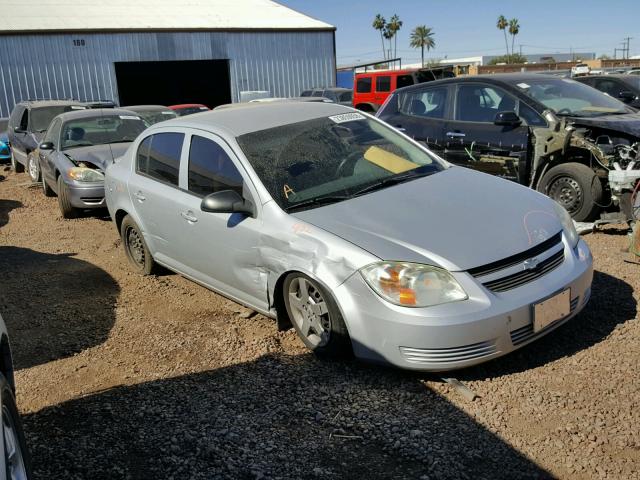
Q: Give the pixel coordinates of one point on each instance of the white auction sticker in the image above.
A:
(129, 117)
(346, 117)
(524, 86)
(77, 107)
(167, 113)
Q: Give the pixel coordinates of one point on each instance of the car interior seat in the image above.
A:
(417, 107)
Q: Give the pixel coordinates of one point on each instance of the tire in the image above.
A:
(317, 321)
(135, 247)
(33, 167)
(67, 210)
(16, 455)
(16, 166)
(46, 189)
(574, 186)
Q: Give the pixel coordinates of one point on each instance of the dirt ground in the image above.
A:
(123, 376)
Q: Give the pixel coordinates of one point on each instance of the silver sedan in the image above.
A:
(329, 220)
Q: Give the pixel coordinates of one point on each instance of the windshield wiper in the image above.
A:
(394, 180)
(327, 199)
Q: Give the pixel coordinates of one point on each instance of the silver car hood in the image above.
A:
(457, 219)
(100, 155)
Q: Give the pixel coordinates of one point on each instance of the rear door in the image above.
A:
(473, 139)
(20, 139)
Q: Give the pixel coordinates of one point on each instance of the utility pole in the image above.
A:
(627, 41)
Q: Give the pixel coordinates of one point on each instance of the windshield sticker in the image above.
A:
(346, 117)
(128, 117)
(287, 191)
(167, 113)
(524, 86)
(77, 107)
(204, 108)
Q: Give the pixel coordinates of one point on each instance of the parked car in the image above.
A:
(76, 150)
(188, 109)
(633, 71)
(343, 96)
(625, 88)
(27, 124)
(152, 114)
(367, 243)
(289, 99)
(371, 89)
(5, 146)
(100, 104)
(555, 135)
(580, 69)
(15, 462)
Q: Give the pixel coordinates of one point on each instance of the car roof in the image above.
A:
(619, 76)
(93, 112)
(252, 117)
(144, 108)
(49, 103)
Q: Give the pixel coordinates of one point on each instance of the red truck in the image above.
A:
(371, 89)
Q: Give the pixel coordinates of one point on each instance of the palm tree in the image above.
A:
(395, 24)
(388, 35)
(422, 37)
(502, 25)
(514, 29)
(379, 23)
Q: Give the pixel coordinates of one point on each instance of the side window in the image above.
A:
(210, 168)
(306, 93)
(16, 115)
(317, 93)
(159, 157)
(383, 84)
(24, 121)
(530, 116)
(363, 85)
(53, 133)
(330, 95)
(404, 81)
(480, 103)
(429, 102)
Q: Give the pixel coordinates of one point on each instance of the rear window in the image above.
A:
(363, 85)
(41, 117)
(159, 157)
(346, 97)
(317, 93)
(383, 84)
(404, 81)
(306, 93)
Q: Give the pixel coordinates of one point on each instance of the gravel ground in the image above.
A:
(122, 376)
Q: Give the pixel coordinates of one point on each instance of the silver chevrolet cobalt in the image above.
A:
(366, 242)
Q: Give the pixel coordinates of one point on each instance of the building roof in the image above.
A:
(24, 16)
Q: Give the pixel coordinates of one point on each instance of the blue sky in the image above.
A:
(467, 27)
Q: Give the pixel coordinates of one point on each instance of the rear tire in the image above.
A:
(33, 167)
(135, 247)
(16, 456)
(67, 210)
(16, 166)
(574, 186)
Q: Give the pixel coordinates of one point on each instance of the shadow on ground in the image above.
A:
(279, 416)
(54, 305)
(5, 208)
(612, 303)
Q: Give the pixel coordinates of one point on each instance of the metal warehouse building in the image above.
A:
(159, 51)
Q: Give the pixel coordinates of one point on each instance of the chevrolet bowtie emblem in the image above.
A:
(531, 263)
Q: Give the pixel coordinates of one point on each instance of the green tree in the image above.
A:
(379, 24)
(422, 37)
(394, 25)
(514, 29)
(502, 25)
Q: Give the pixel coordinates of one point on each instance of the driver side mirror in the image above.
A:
(19, 129)
(46, 146)
(227, 201)
(507, 119)
(626, 96)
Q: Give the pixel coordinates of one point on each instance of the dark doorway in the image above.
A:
(174, 82)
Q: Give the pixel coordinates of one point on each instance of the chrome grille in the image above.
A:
(517, 279)
(526, 333)
(427, 356)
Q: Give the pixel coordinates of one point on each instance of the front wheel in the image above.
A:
(16, 456)
(574, 186)
(315, 316)
(64, 202)
(33, 166)
(16, 166)
(135, 247)
(46, 189)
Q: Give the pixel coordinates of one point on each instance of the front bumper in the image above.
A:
(461, 334)
(86, 195)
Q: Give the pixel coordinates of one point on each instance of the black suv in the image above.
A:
(625, 88)
(552, 134)
(28, 123)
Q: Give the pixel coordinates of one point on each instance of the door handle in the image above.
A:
(456, 134)
(140, 196)
(188, 216)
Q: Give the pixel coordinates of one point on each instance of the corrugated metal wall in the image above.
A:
(80, 65)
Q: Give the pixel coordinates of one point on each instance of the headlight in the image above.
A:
(83, 174)
(567, 225)
(412, 284)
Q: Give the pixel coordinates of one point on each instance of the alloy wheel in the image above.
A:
(309, 311)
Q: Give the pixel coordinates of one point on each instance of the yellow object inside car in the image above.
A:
(389, 161)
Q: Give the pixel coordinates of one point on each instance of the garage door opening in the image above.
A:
(174, 82)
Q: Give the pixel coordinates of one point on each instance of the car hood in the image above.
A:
(457, 219)
(625, 123)
(99, 155)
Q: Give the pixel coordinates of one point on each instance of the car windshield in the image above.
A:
(332, 158)
(151, 117)
(345, 97)
(101, 130)
(41, 117)
(633, 80)
(570, 98)
(181, 112)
